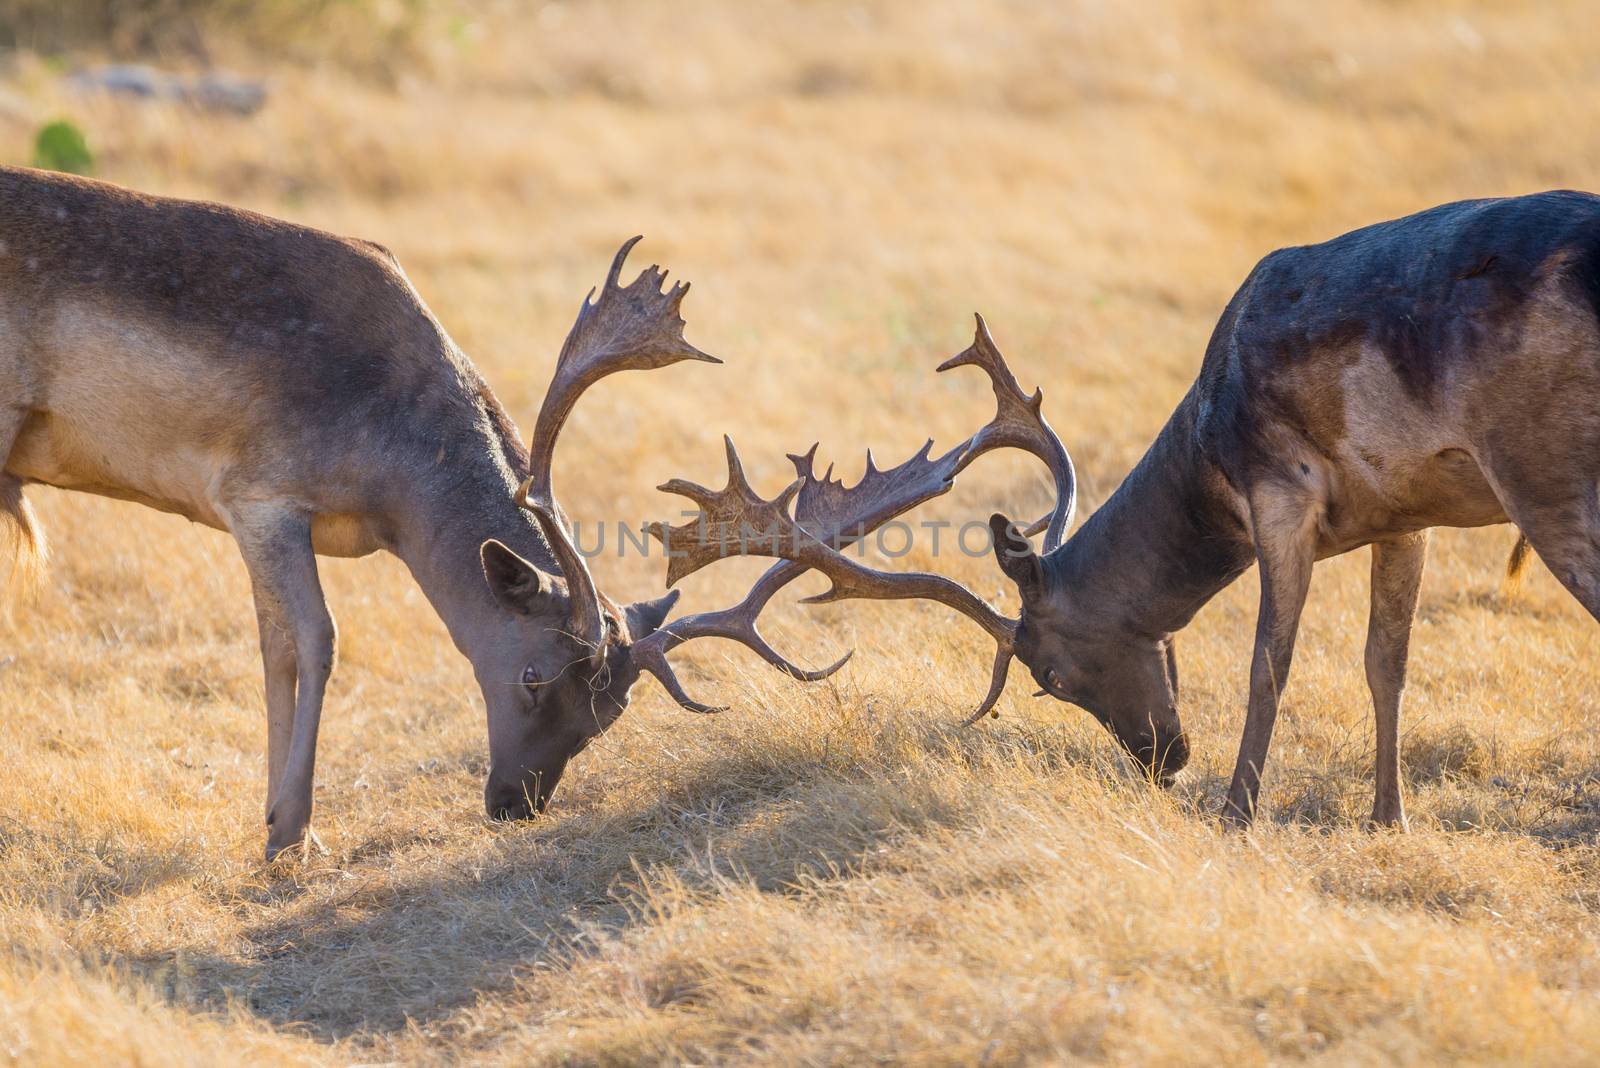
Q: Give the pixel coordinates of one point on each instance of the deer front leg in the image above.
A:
(277, 660)
(297, 648)
(1397, 568)
(1284, 521)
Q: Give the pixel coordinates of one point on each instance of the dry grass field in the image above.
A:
(826, 874)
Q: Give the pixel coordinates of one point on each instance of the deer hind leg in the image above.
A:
(1397, 568)
(1284, 519)
(297, 647)
(1567, 538)
(19, 531)
(1556, 505)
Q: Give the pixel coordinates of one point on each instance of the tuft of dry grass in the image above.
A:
(825, 874)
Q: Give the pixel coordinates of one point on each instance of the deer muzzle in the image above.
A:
(520, 797)
(1161, 756)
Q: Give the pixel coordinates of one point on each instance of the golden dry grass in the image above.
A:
(827, 874)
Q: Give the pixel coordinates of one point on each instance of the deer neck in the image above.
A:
(1167, 541)
(440, 533)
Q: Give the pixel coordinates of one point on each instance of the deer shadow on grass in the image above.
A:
(90, 871)
(391, 953)
(1510, 602)
(1456, 779)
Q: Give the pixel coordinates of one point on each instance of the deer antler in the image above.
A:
(832, 513)
(838, 516)
(743, 523)
(1019, 423)
(632, 327)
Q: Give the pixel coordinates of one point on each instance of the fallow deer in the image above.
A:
(1438, 370)
(290, 388)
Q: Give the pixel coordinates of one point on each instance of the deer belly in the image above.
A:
(1403, 493)
(138, 464)
(1451, 489)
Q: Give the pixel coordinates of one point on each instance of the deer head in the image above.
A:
(1131, 694)
(560, 674)
(1079, 650)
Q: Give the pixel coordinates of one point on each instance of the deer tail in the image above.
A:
(21, 535)
(1517, 564)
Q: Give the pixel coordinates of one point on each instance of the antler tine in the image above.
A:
(997, 685)
(837, 516)
(631, 327)
(1019, 423)
(635, 327)
(650, 654)
(830, 512)
(737, 623)
(766, 529)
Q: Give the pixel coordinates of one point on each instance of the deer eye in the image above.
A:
(530, 677)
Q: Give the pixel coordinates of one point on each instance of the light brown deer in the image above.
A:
(1438, 370)
(290, 387)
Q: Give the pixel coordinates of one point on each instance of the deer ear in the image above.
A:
(1015, 555)
(646, 617)
(515, 583)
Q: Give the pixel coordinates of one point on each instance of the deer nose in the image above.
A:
(513, 801)
(1177, 754)
(506, 805)
(1168, 757)
(1162, 757)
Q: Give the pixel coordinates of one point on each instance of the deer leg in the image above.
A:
(17, 525)
(1284, 521)
(1568, 541)
(277, 659)
(1557, 508)
(1397, 568)
(297, 641)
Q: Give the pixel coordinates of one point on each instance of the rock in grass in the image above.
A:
(213, 91)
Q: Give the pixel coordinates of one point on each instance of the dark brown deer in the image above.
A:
(290, 387)
(1438, 370)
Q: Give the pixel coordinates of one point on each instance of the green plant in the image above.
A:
(61, 146)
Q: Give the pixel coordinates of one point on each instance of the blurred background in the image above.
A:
(845, 183)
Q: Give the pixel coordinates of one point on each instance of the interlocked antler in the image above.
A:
(833, 514)
(742, 523)
(632, 327)
(838, 516)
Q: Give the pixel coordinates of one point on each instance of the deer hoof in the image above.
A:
(286, 830)
(1236, 817)
(1385, 820)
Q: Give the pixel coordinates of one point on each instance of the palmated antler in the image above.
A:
(745, 524)
(830, 512)
(837, 516)
(631, 327)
